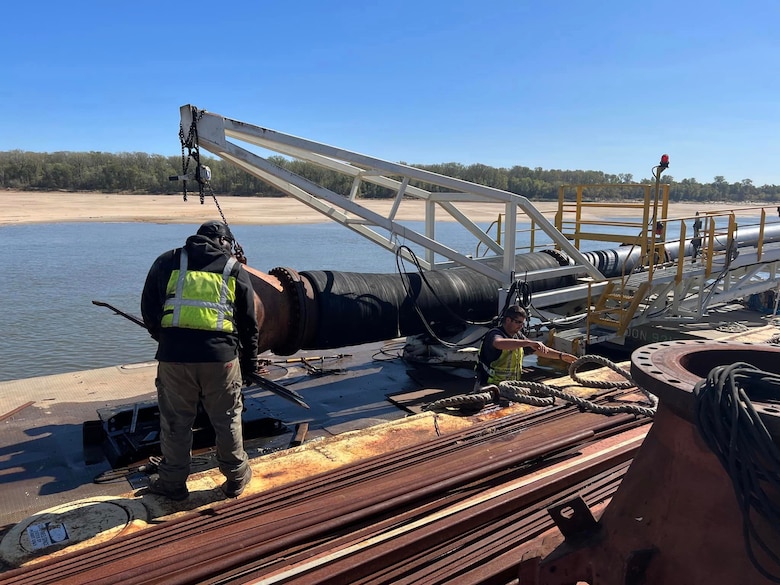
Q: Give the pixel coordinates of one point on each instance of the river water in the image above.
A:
(51, 273)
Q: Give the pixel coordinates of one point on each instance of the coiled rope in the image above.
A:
(729, 424)
(538, 394)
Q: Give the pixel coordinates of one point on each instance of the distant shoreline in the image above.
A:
(29, 207)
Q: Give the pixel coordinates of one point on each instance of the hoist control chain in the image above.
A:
(238, 251)
(190, 149)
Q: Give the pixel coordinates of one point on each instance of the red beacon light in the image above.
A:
(664, 161)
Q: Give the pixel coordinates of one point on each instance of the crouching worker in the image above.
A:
(501, 355)
(198, 304)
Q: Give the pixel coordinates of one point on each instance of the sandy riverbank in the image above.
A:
(22, 207)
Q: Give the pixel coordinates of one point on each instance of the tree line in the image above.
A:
(143, 173)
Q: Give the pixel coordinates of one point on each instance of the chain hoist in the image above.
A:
(190, 150)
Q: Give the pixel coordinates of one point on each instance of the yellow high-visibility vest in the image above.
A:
(200, 300)
(508, 366)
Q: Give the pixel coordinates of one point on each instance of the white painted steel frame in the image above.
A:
(668, 299)
(214, 131)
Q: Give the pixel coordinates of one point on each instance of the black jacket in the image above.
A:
(193, 345)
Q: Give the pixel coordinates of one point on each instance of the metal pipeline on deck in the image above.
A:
(329, 309)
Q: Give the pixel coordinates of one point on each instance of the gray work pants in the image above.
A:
(180, 387)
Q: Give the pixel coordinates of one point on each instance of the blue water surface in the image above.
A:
(51, 273)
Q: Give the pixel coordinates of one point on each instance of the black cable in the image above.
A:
(524, 295)
(385, 351)
(507, 301)
(731, 427)
(519, 291)
(524, 299)
(405, 281)
(421, 272)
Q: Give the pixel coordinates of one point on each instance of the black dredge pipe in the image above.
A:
(353, 308)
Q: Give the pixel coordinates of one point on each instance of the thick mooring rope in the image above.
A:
(538, 394)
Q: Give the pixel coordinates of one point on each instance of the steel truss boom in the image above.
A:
(213, 132)
(646, 278)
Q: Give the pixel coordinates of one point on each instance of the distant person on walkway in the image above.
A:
(198, 304)
(696, 241)
(501, 354)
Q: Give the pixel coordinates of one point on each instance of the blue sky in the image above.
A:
(607, 85)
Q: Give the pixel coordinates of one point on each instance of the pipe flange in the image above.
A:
(562, 258)
(295, 291)
(671, 369)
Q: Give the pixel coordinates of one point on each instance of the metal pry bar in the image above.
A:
(277, 389)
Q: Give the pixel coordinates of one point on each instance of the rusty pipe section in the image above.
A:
(671, 369)
(285, 308)
(675, 517)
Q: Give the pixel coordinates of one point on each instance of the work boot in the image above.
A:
(177, 493)
(233, 488)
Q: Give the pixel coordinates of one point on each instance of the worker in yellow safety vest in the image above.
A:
(199, 305)
(501, 353)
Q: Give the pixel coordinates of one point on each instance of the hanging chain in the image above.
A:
(238, 251)
(202, 173)
(190, 144)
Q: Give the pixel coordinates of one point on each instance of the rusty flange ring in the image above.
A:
(303, 315)
(671, 369)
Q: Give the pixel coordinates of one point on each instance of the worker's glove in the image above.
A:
(250, 368)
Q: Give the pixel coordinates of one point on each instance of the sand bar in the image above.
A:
(25, 207)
